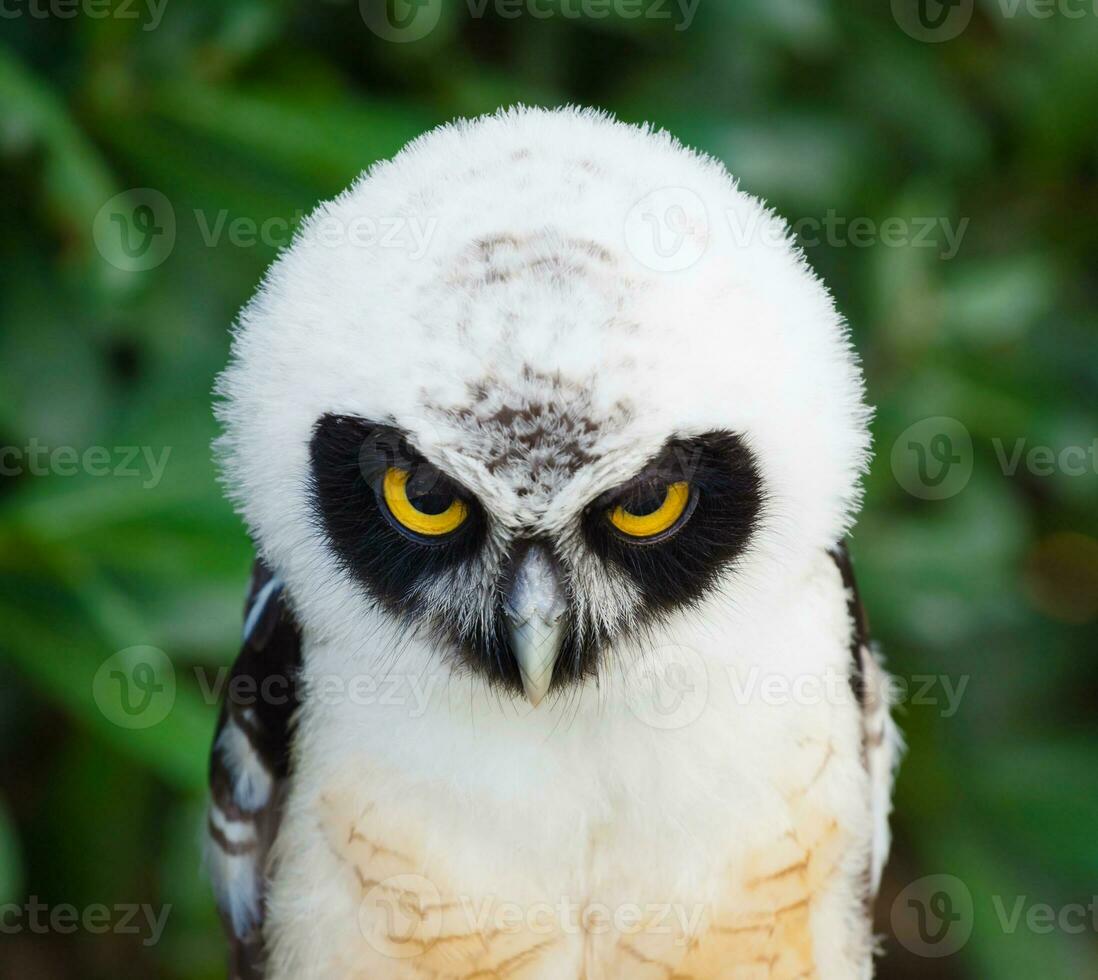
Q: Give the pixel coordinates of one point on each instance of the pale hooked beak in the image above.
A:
(534, 610)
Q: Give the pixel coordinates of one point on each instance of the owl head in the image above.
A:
(533, 388)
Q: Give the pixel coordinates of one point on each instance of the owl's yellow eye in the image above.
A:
(432, 513)
(653, 522)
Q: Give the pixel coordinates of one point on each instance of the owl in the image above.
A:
(548, 440)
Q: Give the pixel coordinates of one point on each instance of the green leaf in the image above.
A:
(76, 181)
(328, 143)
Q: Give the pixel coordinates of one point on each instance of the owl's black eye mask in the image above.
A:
(689, 512)
(391, 517)
(396, 523)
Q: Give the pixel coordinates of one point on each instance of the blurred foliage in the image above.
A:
(251, 109)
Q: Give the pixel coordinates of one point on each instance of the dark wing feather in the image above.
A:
(249, 767)
(880, 738)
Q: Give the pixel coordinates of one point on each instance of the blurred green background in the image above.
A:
(240, 109)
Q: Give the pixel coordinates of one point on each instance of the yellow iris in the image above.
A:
(657, 521)
(395, 491)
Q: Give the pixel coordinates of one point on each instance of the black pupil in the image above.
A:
(428, 490)
(645, 499)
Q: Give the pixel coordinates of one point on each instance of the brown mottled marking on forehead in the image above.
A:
(534, 433)
(494, 276)
(594, 249)
(502, 257)
(486, 246)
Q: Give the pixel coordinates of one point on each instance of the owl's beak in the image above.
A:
(534, 609)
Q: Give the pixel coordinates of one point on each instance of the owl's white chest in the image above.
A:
(703, 812)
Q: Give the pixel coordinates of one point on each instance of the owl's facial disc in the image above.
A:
(530, 611)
